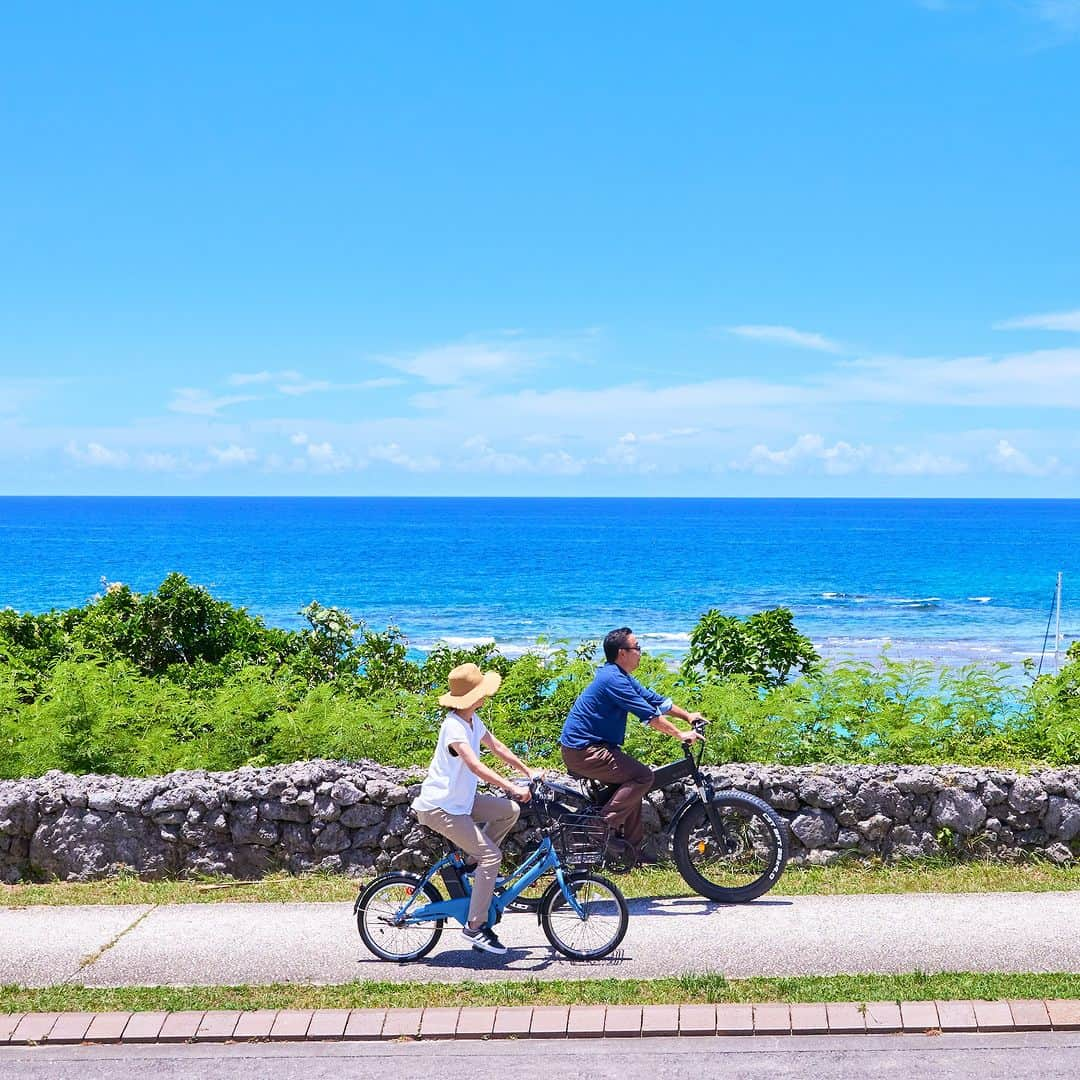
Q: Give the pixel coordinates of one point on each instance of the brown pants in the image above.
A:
(610, 765)
(497, 817)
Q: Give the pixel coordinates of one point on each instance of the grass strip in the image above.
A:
(929, 875)
(687, 989)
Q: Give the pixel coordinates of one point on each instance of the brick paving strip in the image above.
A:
(539, 1022)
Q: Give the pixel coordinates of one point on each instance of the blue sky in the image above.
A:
(626, 248)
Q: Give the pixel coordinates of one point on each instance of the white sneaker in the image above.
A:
(483, 937)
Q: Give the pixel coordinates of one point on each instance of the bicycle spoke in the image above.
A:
(382, 926)
(601, 923)
(742, 852)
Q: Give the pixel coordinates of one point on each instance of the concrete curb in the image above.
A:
(539, 1022)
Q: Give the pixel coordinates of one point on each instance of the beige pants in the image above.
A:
(497, 816)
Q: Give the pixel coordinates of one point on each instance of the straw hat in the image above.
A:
(468, 684)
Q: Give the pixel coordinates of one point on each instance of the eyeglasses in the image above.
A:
(632, 648)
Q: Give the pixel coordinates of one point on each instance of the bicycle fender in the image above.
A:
(689, 801)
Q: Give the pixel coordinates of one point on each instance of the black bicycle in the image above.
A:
(728, 845)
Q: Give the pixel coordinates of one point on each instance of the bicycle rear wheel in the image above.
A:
(741, 861)
(603, 926)
(377, 909)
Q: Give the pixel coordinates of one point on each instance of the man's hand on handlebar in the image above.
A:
(697, 729)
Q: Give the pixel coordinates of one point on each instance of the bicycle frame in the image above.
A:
(542, 861)
(689, 768)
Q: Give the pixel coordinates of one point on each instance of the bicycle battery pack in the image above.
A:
(668, 774)
(452, 880)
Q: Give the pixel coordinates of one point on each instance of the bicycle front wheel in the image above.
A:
(378, 911)
(740, 860)
(599, 928)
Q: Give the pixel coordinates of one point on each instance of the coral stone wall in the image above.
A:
(354, 818)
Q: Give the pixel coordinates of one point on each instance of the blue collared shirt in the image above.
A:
(599, 714)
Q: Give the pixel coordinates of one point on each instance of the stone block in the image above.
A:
(106, 1027)
(769, 1020)
(845, 1018)
(549, 1021)
(365, 1024)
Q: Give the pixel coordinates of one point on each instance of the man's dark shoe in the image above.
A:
(620, 856)
(483, 938)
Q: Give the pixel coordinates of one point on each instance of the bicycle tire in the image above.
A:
(604, 905)
(757, 840)
(371, 928)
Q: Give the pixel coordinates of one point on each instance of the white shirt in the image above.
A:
(451, 784)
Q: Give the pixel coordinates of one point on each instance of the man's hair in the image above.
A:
(615, 641)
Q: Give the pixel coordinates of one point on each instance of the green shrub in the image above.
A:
(764, 647)
(141, 684)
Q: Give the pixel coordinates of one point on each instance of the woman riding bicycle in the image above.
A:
(449, 804)
(594, 731)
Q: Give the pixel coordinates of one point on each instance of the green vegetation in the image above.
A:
(142, 684)
(901, 876)
(684, 990)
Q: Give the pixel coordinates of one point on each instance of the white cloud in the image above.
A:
(305, 386)
(1063, 15)
(313, 386)
(159, 462)
(97, 455)
(15, 393)
(394, 455)
(838, 459)
(842, 458)
(325, 458)
(381, 383)
(201, 403)
(480, 456)
(787, 335)
(234, 455)
(1048, 378)
(623, 453)
(480, 361)
(256, 378)
(560, 463)
(448, 365)
(1053, 320)
(1009, 459)
(923, 463)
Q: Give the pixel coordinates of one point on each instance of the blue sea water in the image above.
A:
(953, 580)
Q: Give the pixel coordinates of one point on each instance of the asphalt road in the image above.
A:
(988, 1057)
(226, 943)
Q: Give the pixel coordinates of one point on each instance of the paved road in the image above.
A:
(987, 1057)
(206, 944)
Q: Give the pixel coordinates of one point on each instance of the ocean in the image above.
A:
(949, 580)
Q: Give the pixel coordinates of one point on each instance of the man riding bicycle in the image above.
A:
(595, 729)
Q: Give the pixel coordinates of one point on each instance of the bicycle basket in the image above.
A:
(580, 840)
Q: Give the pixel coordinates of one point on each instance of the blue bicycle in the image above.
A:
(401, 915)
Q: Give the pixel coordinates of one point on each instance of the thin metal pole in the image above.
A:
(1057, 622)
